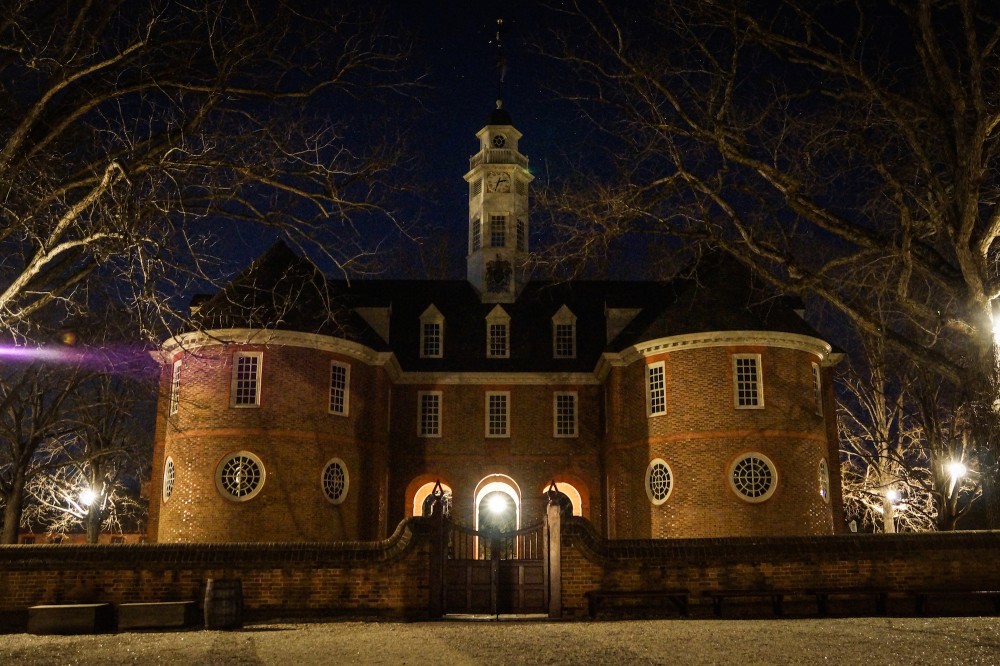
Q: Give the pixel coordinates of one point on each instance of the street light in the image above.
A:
(956, 470)
(87, 497)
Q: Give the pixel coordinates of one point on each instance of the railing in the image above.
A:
(467, 544)
(498, 156)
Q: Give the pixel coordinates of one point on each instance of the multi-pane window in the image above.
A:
(336, 481)
(429, 424)
(753, 477)
(656, 389)
(817, 388)
(240, 476)
(747, 386)
(565, 341)
(430, 340)
(246, 380)
(521, 236)
(340, 383)
(564, 407)
(175, 385)
(498, 231)
(498, 343)
(659, 481)
(477, 235)
(497, 414)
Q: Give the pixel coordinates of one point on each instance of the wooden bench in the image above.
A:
(777, 598)
(823, 594)
(157, 615)
(70, 618)
(922, 596)
(678, 597)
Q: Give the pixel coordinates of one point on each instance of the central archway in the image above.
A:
(498, 503)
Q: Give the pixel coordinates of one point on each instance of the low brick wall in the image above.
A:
(385, 578)
(896, 562)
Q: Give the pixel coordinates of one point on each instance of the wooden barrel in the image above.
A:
(224, 603)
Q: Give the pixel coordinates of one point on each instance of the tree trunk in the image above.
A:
(888, 515)
(12, 511)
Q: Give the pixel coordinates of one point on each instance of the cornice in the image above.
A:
(804, 343)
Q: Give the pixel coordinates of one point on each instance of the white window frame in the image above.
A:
(656, 397)
(344, 393)
(670, 477)
(424, 411)
(431, 317)
(220, 485)
(175, 387)
(823, 472)
(738, 383)
(236, 381)
(768, 463)
(564, 318)
(498, 317)
(504, 431)
(347, 481)
(817, 382)
(498, 229)
(574, 429)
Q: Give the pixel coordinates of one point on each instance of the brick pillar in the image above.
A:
(438, 555)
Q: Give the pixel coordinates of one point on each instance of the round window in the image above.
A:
(240, 476)
(659, 481)
(824, 480)
(168, 478)
(335, 481)
(753, 477)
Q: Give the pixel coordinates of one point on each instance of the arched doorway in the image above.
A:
(423, 498)
(569, 498)
(498, 504)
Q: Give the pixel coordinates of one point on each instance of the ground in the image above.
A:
(881, 640)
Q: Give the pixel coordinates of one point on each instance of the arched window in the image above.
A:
(424, 498)
(573, 503)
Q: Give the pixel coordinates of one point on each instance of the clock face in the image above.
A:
(499, 141)
(497, 181)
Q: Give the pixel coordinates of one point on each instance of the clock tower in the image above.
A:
(498, 181)
(498, 178)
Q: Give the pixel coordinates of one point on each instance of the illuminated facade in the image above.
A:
(309, 409)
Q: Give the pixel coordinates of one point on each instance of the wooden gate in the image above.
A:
(493, 573)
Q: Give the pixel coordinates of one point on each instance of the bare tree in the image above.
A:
(824, 144)
(92, 474)
(134, 136)
(32, 416)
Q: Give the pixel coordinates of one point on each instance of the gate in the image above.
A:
(487, 572)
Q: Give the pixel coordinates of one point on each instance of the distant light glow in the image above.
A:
(996, 331)
(497, 503)
(893, 495)
(87, 497)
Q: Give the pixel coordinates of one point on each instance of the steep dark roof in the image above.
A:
(281, 290)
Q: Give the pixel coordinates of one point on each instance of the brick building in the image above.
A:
(310, 409)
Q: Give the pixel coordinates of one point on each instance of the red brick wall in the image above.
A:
(387, 578)
(463, 456)
(897, 562)
(700, 436)
(293, 435)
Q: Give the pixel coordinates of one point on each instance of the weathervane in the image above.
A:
(501, 63)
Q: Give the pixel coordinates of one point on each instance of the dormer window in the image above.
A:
(498, 333)
(431, 333)
(564, 334)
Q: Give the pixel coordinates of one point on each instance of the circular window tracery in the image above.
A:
(335, 481)
(240, 476)
(659, 481)
(824, 480)
(753, 477)
(168, 478)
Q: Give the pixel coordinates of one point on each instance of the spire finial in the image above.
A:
(501, 63)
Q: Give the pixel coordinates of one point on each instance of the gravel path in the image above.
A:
(868, 641)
